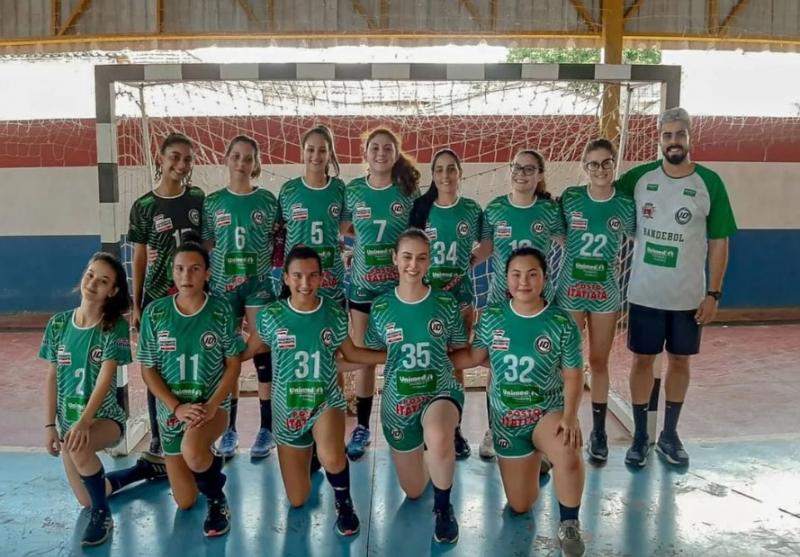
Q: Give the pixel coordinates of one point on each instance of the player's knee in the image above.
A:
(598, 365)
(197, 458)
(331, 457)
(567, 459)
(185, 501)
(678, 363)
(519, 504)
(81, 457)
(414, 491)
(298, 498)
(439, 441)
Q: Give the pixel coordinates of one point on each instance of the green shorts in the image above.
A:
(171, 434)
(513, 432)
(293, 427)
(255, 292)
(402, 424)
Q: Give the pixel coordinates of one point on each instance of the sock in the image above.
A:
(266, 413)
(96, 486)
(640, 420)
(340, 482)
(488, 410)
(599, 416)
(441, 498)
(210, 482)
(151, 414)
(234, 408)
(568, 513)
(363, 410)
(672, 411)
(121, 478)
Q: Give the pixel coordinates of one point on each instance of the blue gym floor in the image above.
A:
(737, 499)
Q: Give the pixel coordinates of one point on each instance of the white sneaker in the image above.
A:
(486, 450)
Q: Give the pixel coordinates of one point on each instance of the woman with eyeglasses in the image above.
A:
(596, 218)
(525, 217)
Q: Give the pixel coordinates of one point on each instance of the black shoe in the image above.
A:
(99, 527)
(218, 518)
(346, 521)
(545, 467)
(446, 530)
(671, 448)
(155, 447)
(462, 445)
(152, 466)
(638, 451)
(597, 448)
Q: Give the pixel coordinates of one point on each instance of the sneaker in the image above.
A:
(446, 530)
(569, 537)
(671, 448)
(346, 520)
(637, 453)
(546, 466)
(486, 449)
(462, 445)
(155, 447)
(152, 466)
(99, 527)
(228, 443)
(597, 447)
(218, 518)
(359, 440)
(263, 444)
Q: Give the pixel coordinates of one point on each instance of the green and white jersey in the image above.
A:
(675, 219)
(311, 217)
(79, 353)
(241, 227)
(416, 336)
(304, 380)
(453, 231)
(510, 227)
(188, 351)
(379, 216)
(527, 355)
(158, 223)
(595, 228)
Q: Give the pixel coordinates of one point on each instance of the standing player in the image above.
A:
(453, 224)
(684, 220)
(157, 221)
(526, 217)
(311, 208)
(422, 401)
(378, 205)
(189, 350)
(305, 330)
(238, 223)
(596, 218)
(84, 346)
(535, 391)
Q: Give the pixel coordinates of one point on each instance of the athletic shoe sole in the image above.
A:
(437, 540)
(639, 464)
(98, 542)
(595, 456)
(217, 533)
(668, 458)
(348, 532)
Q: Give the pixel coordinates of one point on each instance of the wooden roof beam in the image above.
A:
(248, 9)
(740, 5)
(359, 8)
(633, 9)
(74, 17)
(584, 15)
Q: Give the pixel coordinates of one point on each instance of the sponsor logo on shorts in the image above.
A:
(537, 227)
(334, 210)
(462, 229)
(327, 336)
(258, 217)
(614, 224)
(173, 422)
(397, 434)
(431, 232)
(95, 354)
(222, 219)
(162, 223)
(194, 216)
(436, 327)
(503, 443)
(648, 210)
(683, 215)
(299, 213)
(502, 231)
(363, 213)
(208, 340)
(396, 208)
(544, 344)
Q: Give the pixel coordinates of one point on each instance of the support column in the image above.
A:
(613, 19)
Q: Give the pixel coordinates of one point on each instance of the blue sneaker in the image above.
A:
(671, 448)
(446, 529)
(228, 443)
(263, 444)
(359, 440)
(638, 451)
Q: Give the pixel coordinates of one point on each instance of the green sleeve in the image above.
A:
(373, 338)
(117, 344)
(721, 222)
(626, 184)
(147, 351)
(232, 342)
(482, 332)
(49, 347)
(207, 225)
(457, 332)
(628, 217)
(557, 227)
(263, 322)
(347, 205)
(571, 354)
(138, 225)
(339, 326)
(487, 230)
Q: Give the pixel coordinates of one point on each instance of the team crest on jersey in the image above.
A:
(683, 215)
(95, 354)
(396, 208)
(327, 336)
(503, 443)
(648, 210)
(436, 327)
(258, 216)
(462, 229)
(299, 213)
(162, 223)
(431, 232)
(209, 340)
(334, 210)
(194, 216)
(363, 213)
(543, 344)
(537, 227)
(63, 358)
(502, 231)
(614, 224)
(221, 218)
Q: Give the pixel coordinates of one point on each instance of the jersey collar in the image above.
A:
(425, 297)
(537, 314)
(300, 311)
(179, 312)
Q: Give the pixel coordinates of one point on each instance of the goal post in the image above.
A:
(484, 111)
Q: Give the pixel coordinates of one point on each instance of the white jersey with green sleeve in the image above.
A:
(379, 216)
(675, 219)
(188, 351)
(78, 354)
(416, 336)
(311, 217)
(595, 230)
(527, 356)
(242, 228)
(510, 227)
(304, 380)
(453, 231)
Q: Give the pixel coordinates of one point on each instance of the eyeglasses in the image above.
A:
(527, 170)
(594, 166)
